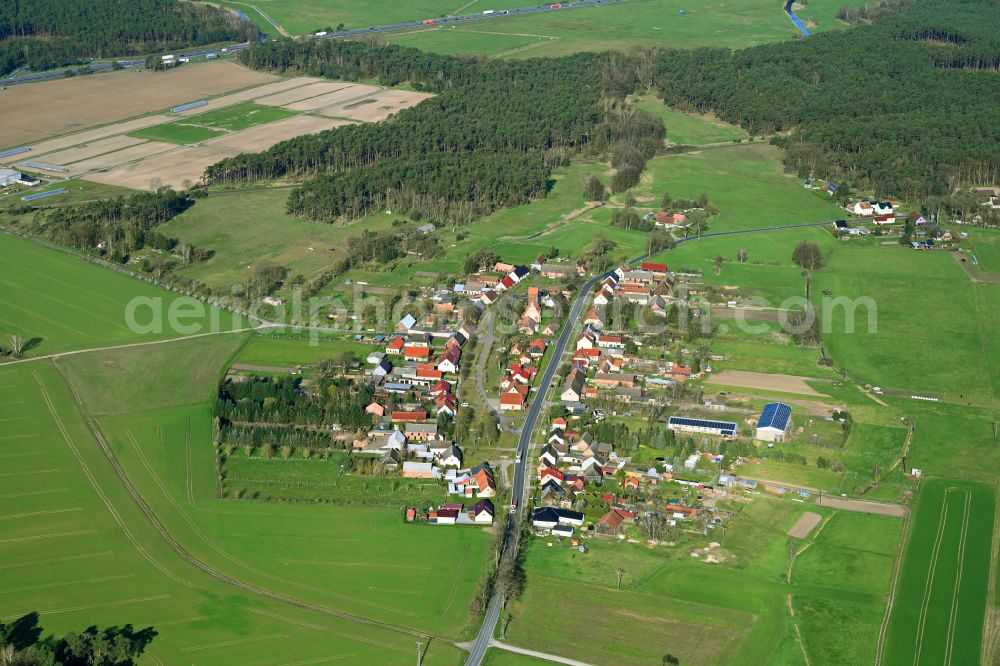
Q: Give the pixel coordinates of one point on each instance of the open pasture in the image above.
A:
(937, 615)
(70, 304)
(76, 548)
(108, 98)
(746, 182)
(690, 129)
(645, 23)
(956, 314)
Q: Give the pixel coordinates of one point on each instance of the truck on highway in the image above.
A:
(429, 21)
(488, 12)
(320, 34)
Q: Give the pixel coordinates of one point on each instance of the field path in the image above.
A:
(182, 551)
(90, 350)
(538, 655)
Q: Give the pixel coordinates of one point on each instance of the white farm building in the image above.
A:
(9, 177)
(775, 422)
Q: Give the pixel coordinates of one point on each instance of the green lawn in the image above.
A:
(70, 304)
(688, 128)
(645, 23)
(937, 615)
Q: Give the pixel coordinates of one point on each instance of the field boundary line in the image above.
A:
(214, 546)
(107, 604)
(949, 645)
(990, 622)
(929, 581)
(47, 586)
(194, 561)
(93, 481)
(457, 579)
(53, 560)
(32, 514)
(238, 641)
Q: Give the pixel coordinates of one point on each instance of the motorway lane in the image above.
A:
(519, 487)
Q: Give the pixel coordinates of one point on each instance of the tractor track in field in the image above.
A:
(177, 547)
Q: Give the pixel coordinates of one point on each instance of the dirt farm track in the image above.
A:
(51, 108)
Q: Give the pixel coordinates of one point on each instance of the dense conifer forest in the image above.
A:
(488, 140)
(908, 106)
(51, 33)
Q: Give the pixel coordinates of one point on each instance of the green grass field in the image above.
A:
(262, 231)
(276, 351)
(690, 129)
(937, 615)
(76, 547)
(986, 246)
(213, 124)
(743, 602)
(956, 314)
(70, 304)
(242, 116)
(745, 182)
(645, 23)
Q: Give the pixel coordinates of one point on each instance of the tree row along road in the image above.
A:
(519, 488)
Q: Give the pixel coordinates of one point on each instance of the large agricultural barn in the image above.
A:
(774, 423)
(707, 426)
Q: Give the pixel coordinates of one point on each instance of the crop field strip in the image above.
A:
(939, 601)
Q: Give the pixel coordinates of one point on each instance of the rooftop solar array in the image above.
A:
(726, 427)
(775, 415)
(39, 165)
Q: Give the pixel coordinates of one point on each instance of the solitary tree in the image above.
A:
(808, 256)
(718, 263)
(17, 343)
(665, 203)
(741, 256)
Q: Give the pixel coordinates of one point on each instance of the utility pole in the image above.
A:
(620, 572)
(419, 654)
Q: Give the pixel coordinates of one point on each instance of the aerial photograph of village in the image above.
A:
(490, 333)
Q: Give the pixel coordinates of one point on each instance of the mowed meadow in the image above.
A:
(111, 515)
(61, 303)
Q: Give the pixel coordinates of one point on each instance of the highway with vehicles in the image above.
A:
(519, 487)
(96, 67)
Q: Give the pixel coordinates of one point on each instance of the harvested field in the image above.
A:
(864, 506)
(350, 92)
(247, 95)
(46, 148)
(189, 163)
(303, 92)
(33, 114)
(804, 525)
(377, 107)
(763, 381)
(86, 151)
(114, 159)
(265, 136)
